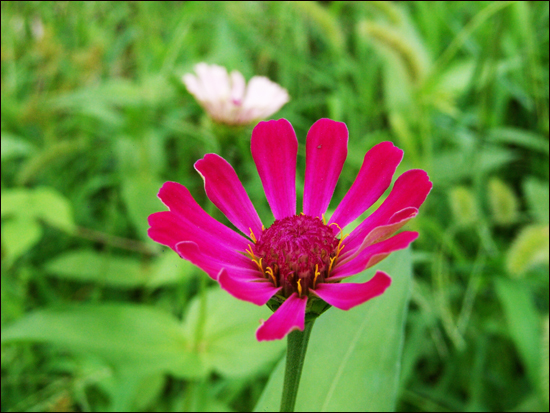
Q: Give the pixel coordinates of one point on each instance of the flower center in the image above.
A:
(297, 253)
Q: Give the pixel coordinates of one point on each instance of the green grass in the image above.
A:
(94, 118)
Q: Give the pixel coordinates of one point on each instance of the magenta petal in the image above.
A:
(348, 295)
(374, 178)
(381, 233)
(226, 191)
(170, 229)
(274, 148)
(177, 197)
(409, 190)
(289, 316)
(257, 293)
(210, 265)
(326, 151)
(371, 255)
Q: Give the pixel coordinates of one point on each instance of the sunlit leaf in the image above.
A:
(53, 208)
(13, 147)
(140, 196)
(101, 268)
(125, 335)
(19, 235)
(228, 342)
(523, 323)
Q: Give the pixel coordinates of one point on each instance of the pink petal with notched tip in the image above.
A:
(226, 191)
(371, 255)
(257, 293)
(348, 295)
(374, 178)
(274, 148)
(326, 151)
(378, 234)
(168, 229)
(180, 202)
(211, 263)
(289, 316)
(409, 190)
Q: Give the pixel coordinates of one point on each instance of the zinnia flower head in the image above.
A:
(228, 99)
(300, 260)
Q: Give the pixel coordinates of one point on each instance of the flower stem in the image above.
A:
(295, 356)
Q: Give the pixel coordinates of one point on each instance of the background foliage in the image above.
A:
(94, 118)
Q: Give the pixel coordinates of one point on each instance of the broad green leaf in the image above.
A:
(537, 193)
(228, 343)
(41, 203)
(353, 359)
(455, 165)
(18, 202)
(503, 202)
(128, 336)
(92, 266)
(523, 323)
(53, 208)
(140, 196)
(170, 268)
(520, 137)
(19, 235)
(529, 248)
(13, 147)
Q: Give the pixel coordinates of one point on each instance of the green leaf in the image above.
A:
(19, 235)
(41, 203)
(53, 208)
(92, 266)
(529, 248)
(523, 323)
(128, 336)
(228, 343)
(18, 202)
(13, 147)
(537, 195)
(140, 196)
(520, 137)
(353, 359)
(169, 268)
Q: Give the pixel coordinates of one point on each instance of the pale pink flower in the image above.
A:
(228, 99)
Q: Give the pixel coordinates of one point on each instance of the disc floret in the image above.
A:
(296, 253)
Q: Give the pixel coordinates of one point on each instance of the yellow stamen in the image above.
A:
(317, 273)
(324, 219)
(269, 271)
(299, 288)
(330, 265)
(252, 236)
(263, 228)
(259, 264)
(249, 252)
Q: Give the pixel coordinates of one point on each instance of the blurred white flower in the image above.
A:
(228, 99)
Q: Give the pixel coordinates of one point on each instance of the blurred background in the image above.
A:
(95, 118)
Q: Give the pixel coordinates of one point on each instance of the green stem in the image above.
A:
(295, 356)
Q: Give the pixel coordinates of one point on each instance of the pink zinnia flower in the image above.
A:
(300, 258)
(228, 99)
